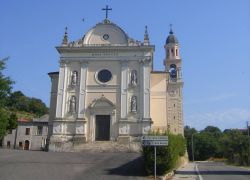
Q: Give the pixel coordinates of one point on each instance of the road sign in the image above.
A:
(154, 140)
(154, 143)
(154, 137)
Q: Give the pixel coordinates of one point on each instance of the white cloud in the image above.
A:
(225, 119)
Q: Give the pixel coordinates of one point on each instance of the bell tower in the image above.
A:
(172, 64)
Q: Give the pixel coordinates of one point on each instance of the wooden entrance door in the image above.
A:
(26, 145)
(102, 131)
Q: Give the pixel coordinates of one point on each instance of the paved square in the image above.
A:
(37, 165)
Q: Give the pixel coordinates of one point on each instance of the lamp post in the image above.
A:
(247, 129)
(193, 147)
(192, 139)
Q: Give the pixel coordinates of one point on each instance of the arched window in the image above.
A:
(172, 51)
(173, 71)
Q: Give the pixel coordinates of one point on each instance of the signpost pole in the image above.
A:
(155, 161)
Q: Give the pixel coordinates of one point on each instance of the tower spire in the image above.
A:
(65, 37)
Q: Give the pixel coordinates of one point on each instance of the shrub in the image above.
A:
(166, 156)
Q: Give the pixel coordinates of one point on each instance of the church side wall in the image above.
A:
(159, 101)
(53, 101)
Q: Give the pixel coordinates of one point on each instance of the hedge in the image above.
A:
(166, 156)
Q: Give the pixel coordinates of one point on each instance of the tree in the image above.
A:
(3, 122)
(7, 121)
(206, 146)
(188, 136)
(5, 84)
(236, 147)
(17, 101)
(12, 121)
(205, 143)
(214, 131)
(37, 107)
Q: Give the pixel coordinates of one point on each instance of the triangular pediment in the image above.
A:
(102, 102)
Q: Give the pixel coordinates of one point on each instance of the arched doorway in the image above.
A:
(26, 145)
(102, 118)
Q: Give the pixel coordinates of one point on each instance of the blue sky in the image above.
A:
(214, 37)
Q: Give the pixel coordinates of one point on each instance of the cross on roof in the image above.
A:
(107, 9)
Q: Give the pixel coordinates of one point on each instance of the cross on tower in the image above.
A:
(171, 31)
(107, 9)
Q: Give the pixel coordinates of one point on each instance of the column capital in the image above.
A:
(63, 63)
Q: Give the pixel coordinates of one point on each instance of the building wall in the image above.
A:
(159, 101)
(117, 91)
(36, 141)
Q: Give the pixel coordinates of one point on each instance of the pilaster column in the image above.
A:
(61, 93)
(146, 87)
(124, 87)
(82, 90)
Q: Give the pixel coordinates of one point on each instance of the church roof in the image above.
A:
(105, 33)
(102, 34)
(171, 38)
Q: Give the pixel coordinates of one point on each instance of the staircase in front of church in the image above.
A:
(96, 146)
(106, 146)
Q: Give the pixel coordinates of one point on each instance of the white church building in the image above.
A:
(107, 90)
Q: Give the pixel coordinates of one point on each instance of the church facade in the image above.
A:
(106, 88)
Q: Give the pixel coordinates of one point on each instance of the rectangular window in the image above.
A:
(39, 130)
(27, 132)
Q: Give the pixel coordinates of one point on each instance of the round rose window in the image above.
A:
(104, 76)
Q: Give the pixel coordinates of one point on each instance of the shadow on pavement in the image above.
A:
(132, 168)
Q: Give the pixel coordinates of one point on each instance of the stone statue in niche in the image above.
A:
(133, 104)
(133, 78)
(72, 104)
(74, 78)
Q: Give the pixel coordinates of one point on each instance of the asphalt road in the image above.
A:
(220, 171)
(37, 165)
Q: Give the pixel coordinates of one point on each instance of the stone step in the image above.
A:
(106, 146)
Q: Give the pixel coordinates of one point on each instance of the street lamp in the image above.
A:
(193, 144)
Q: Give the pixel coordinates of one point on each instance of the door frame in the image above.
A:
(109, 125)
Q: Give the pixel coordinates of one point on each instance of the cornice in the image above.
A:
(62, 49)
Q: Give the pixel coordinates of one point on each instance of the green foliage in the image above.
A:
(12, 121)
(205, 143)
(167, 156)
(37, 107)
(8, 121)
(17, 101)
(3, 122)
(10, 103)
(234, 145)
(188, 136)
(5, 84)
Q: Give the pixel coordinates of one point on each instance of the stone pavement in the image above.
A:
(186, 172)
